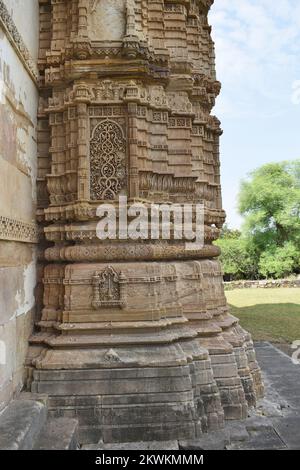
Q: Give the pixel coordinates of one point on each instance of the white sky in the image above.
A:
(258, 63)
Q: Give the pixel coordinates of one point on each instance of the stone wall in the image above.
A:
(264, 284)
(18, 231)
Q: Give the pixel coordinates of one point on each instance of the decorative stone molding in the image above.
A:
(17, 42)
(16, 230)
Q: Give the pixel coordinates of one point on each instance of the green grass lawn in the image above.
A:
(268, 314)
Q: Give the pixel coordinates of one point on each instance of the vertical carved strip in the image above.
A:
(82, 18)
(130, 26)
(133, 151)
(83, 185)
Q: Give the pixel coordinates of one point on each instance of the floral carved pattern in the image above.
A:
(17, 42)
(108, 161)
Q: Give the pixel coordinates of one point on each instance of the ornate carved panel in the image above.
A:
(13, 35)
(108, 160)
(106, 289)
(17, 230)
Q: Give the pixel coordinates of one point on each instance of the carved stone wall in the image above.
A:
(135, 338)
(18, 155)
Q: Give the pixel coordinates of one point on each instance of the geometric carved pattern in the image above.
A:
(106, 289)
(107, 154)
(16, 230)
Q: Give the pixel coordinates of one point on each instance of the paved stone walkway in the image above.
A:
(275, 425)
(282, 379)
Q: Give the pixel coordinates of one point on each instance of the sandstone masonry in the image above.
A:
(134, 338)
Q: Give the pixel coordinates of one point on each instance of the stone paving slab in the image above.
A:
(281, 407)
(281, 373)
(266, 439)
(289, 430)
(151, 445)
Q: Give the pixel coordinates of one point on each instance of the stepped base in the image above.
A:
(139, 393)
(141, 351)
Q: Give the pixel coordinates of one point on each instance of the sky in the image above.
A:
(258, 63)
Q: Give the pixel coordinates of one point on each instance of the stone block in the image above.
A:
(58, 434)
(21, 423)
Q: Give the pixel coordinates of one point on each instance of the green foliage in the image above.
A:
(270, 202)
(228, 233)
(237, 257)
(279, 261)
(269, 244)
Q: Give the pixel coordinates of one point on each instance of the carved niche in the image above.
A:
(107, 20)
(107, 289)
(107, 160)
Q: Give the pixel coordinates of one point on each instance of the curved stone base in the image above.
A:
(134, 393)
(143, 351)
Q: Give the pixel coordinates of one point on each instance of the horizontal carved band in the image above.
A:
(16, 230)
(128, 252)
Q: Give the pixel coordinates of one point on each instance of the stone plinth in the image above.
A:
(135, 338)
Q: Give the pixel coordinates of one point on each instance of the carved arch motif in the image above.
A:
(107, 160)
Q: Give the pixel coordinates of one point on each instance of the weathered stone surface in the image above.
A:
(266, 439)
(150, 445)
(58, 434)
(135, 337)
(237, 431)
(18, 159)
(20, 424)
(217, 440)
(288, 430)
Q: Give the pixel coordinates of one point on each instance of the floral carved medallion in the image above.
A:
(108, 161)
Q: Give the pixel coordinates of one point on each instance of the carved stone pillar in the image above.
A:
(135, 337)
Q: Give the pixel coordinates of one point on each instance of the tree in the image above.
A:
(269, 243)
(280, 261)
(237, 256)
(270, 203)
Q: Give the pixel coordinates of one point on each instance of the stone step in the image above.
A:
(21, 423)
(58, 434)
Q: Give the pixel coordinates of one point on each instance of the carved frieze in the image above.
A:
(13, 35)
(17, 230)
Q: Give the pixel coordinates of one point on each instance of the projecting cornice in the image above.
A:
(15, 38)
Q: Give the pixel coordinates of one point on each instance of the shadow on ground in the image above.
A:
(278, 323)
